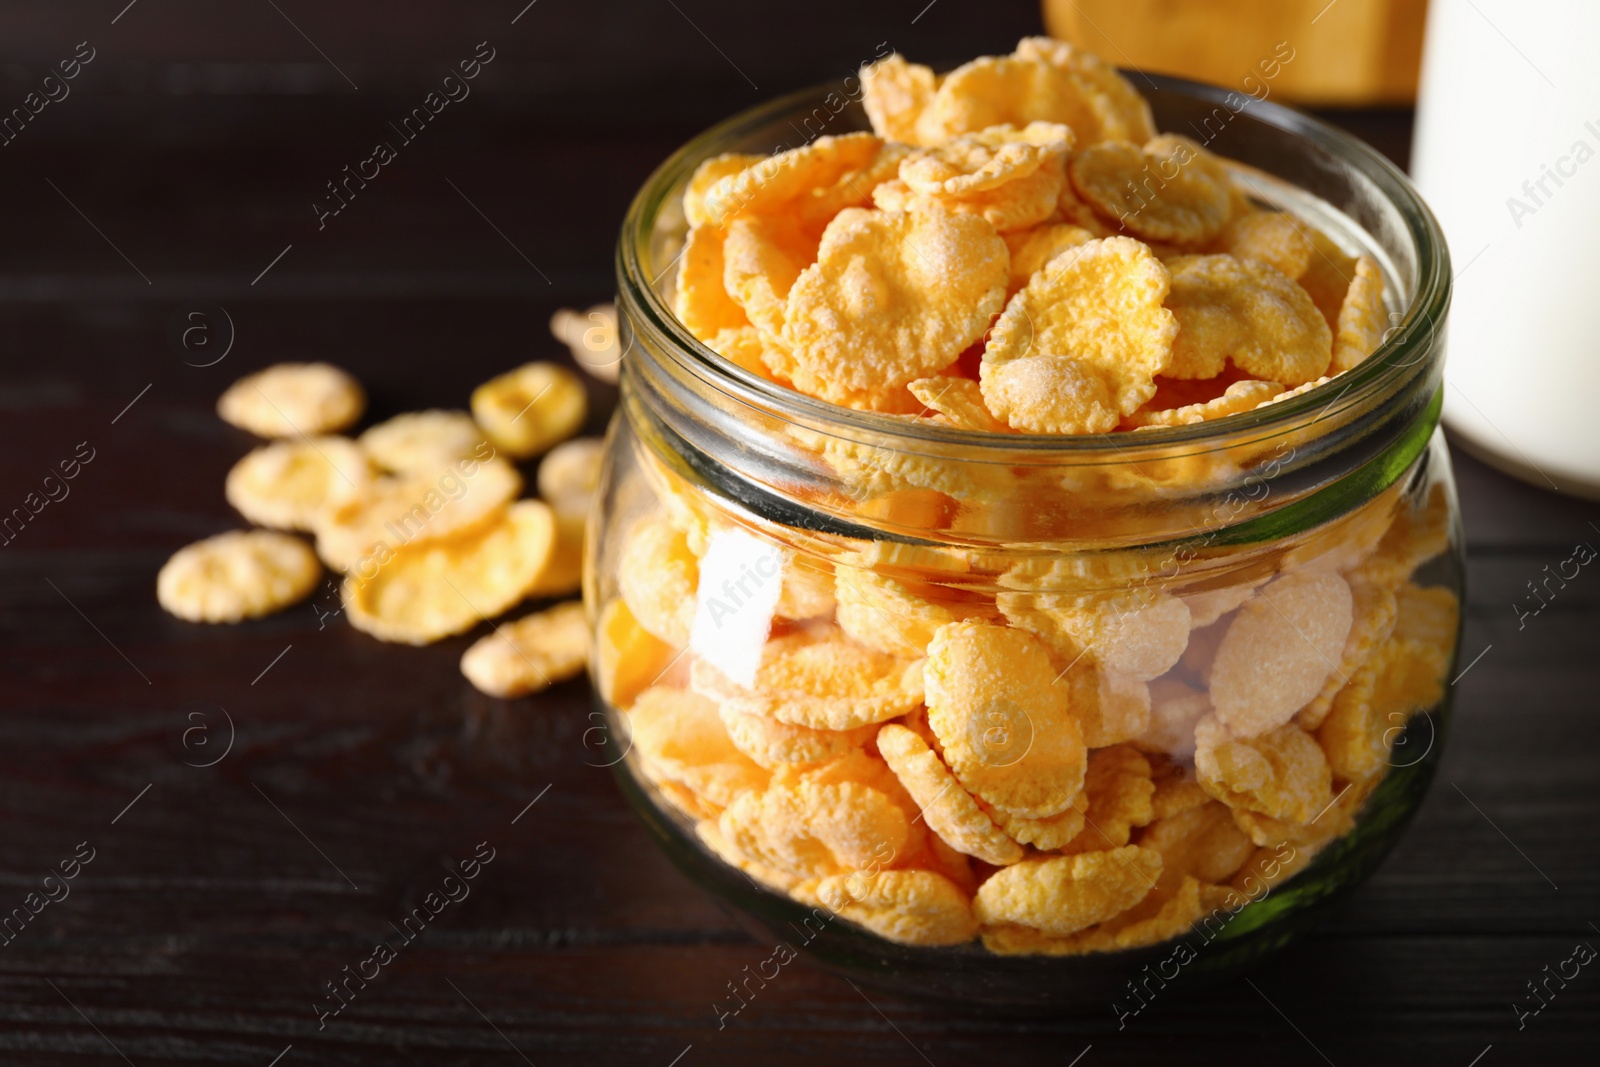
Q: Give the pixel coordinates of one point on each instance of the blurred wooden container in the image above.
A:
(1351, 53)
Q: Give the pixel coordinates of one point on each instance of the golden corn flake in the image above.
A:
(906, 907)
(1269, 237)
(1209, 605)
(1417, 535)
(1139, 634)
(415, 509)
(947, 808)
(1001, 718)
(788, 183)
(814, 830)
(747, 349)
(288, 484)
(696, 212)
(959, 400)
(821, 679)
(892, 298)
(678, 736)
(591, 336)
(242, 574)
(701, 300)
(988, 159)
(1032, 249)
(1279, 650)
(571, 470)
(888, 615)
(528, 410)
(432, 590)
(1109, 707)
(1064, 894)
(1373, 612)
(1247, 312)
(627, 657)
(531, 654)
(1327, 276)
(657, 576)
(1239, 397)
(423, 441)
(762, 257)
(293, 399)
(770, 742)
(1177, 791)
(1170, 190)
(1093, 312)
(1116, 798)
(894, 93)
(1201, 841)
(1362, 318)
(1046, 835)
(1282, 773)
(778, 881)
(1046, 81)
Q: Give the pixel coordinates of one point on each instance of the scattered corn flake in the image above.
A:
(907, 907)
(1281, 773)
(427, 591)
(812, 830)
(761, 258)
(1003, 722)
(1373, 612)
(423, 441)
(571, 470)
(894, 93)
(293, 400)
(947, 808)
(657, 576)
(527, 410)
(1239, 397)
(1271, 237)
(958, 399)
(592, 337)
(1175, 708)
(1093, 314)
(1064, 894)
(627, 657)
(562, 574)
(412, 510)
(241, 574)
(822, 679)
(288, 484)
(701, 300)
(788, 182)
(1171, 189)
(1249, 313)
(1362, 317)
(678, 736)
(1117, 792)
(1279, 650)
(892, 298)
(530, 654)
(696, 211)
(770, 742)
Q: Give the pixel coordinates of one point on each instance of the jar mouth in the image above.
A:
(1406, 349)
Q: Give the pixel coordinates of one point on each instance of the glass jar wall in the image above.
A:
(1006, 717)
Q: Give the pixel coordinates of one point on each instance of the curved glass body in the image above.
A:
(1170, 576)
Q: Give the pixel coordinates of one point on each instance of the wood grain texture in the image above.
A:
(220, 902)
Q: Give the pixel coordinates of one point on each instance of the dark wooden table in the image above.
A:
(262, 801)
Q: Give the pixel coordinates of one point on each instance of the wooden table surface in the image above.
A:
(230, 881)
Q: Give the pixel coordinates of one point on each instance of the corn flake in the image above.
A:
(906, 907)
(762, 257)
(894, 93)
(237, 575)
(531, 654)
(1362, 318)
(627, 657)
(1116, 798)
(1170, 190)
(423, 441)
(892, 298)
(288, 484)
(947, 808)
(813, 830)
(1001, 719)
(1282, 773)
(657, 576)
(1269, 237)
(771, 743)
(527, 410)
(293, 399)
(679, 738)
(1064, 894)
(1247, 312)
(1279, 650)
(701, 299)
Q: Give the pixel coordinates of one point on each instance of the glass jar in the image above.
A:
(1249, 624)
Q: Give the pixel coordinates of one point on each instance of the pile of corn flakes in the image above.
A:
(420, 513)
(943, 745)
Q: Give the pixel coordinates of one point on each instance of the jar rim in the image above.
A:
(1401, 350)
